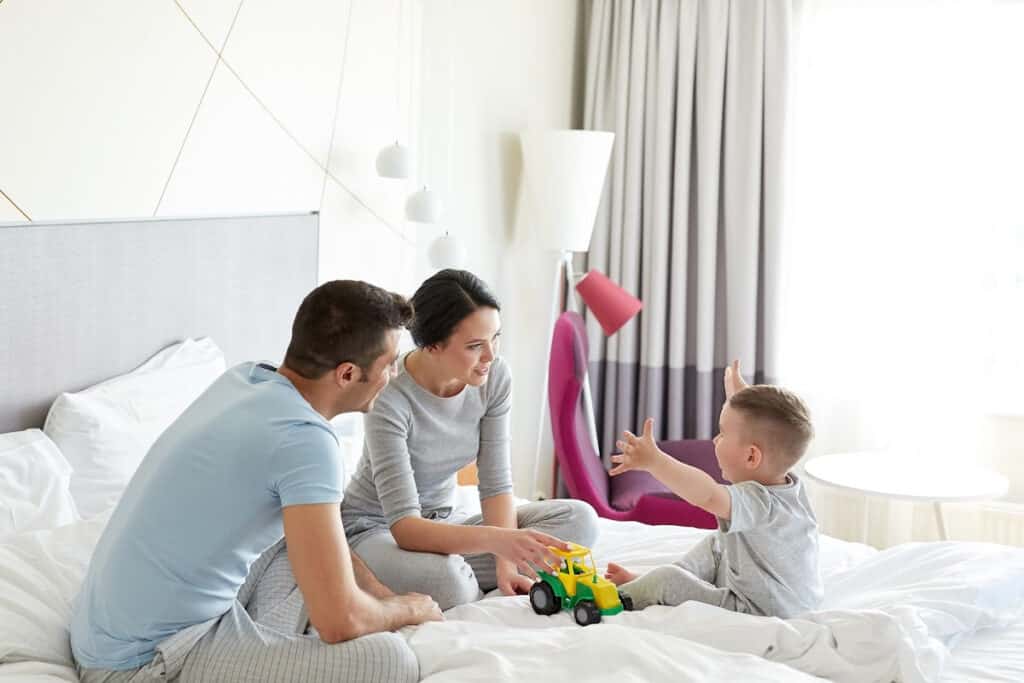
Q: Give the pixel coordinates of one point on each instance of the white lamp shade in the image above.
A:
(394, 161)
(563, 176)
(446, 252)
(423, 206)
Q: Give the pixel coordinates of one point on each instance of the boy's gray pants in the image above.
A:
(691, 578)
(455, 579)
(259, 639)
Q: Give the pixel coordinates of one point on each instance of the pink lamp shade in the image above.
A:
(611, 305)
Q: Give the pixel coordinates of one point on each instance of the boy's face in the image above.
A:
(733, 447)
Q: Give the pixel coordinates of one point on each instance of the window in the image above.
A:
(902, 309)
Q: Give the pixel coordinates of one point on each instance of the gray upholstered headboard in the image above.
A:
(81, 302)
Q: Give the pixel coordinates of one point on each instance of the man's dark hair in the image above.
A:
(443, 301)
(343, 321)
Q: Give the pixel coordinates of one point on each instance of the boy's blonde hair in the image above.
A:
(779, 420)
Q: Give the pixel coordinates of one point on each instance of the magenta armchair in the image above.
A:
(633, 496)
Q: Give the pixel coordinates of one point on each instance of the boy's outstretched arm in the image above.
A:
(689, 483)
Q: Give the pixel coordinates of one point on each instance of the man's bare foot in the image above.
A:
(618, 574)
(733, 379)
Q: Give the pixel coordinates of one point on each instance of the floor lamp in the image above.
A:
(613, 307)
(563, 175)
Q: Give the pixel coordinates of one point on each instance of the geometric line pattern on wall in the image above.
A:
(206, 88)
(291, 136)
(14, 204)
(106, 92)
(211, 17)
(337, 102)
(238, 160)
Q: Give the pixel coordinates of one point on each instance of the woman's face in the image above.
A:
(468, 353)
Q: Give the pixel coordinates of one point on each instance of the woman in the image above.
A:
(447, 406)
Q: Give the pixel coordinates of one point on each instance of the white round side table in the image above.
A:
(887, 475)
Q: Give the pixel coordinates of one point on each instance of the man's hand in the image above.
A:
(510, 581)
(733, 379)
(618, 574)
(638, 452)
(338, 606)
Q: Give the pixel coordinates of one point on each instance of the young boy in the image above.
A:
(764, 557)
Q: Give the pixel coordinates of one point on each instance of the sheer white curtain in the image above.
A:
(901, 312)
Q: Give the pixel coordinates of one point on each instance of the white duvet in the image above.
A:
(887, 616)
(890, 615)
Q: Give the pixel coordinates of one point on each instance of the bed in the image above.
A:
(122, 291)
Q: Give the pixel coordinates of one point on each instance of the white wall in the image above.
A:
(515, 65)
(135, 108)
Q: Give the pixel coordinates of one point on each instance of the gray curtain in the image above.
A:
(695, 92)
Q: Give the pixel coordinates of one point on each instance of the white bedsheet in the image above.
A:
(888, 615)
(991, 655)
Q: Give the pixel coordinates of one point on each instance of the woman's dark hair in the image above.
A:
(343, 321)
(443, 301)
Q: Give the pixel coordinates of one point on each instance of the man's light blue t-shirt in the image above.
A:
(204, 504)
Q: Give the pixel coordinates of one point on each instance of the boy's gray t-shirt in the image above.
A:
(769, 548)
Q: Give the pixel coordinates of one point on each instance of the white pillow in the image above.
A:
(34, 480)
(41, 572)
(105, 431)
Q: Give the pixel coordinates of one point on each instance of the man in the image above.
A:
(174, 588)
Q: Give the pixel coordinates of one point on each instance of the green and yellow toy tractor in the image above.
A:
(577, 588)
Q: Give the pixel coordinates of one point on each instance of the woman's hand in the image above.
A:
(638, 452)
(510, 581)
(525, 549)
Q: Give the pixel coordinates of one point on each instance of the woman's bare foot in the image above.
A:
(618, 574)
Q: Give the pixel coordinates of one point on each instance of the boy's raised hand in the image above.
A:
(638, 452)
(733, 379)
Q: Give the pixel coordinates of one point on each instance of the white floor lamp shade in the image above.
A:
(394, 161)
(563, 172)
(423, 206)
(563, 176)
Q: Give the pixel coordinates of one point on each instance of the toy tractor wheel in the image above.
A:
(586, 612)
(543, 600)
(627, 602)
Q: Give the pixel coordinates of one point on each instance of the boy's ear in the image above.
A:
(755, 456)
